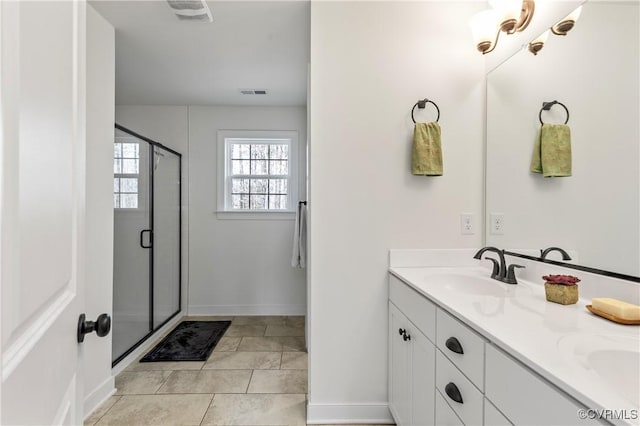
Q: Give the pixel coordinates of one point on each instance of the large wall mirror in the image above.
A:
(594, 72)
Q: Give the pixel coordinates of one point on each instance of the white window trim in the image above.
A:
(223, 165)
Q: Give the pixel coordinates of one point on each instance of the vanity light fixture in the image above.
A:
(561, 28)
(508, 16)
(566, 24)
(536, 45)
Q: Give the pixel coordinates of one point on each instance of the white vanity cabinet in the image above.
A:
(443, 371)
(411, 356)
(524, 397)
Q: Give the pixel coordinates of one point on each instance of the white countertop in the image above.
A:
(552, 339)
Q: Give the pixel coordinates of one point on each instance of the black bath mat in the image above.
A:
(189, 341)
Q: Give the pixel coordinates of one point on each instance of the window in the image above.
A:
(258, 171)
(126, 169)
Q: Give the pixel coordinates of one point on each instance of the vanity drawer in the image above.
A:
(524, 397)
(415, 306)
(493, 417)
(470, 409)
(445, 416)
(471, 361)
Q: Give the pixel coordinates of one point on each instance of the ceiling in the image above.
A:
(161, 60)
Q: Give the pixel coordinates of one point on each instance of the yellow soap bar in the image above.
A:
(618, 308)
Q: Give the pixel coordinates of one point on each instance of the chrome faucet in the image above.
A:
(500, 271)
(545, 252)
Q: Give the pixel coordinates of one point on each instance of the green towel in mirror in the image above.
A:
(426, 153)
(552, 151)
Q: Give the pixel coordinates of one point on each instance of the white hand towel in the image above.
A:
(299, 255)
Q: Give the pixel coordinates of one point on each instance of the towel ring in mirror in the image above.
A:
(546, 106)
(421, 104)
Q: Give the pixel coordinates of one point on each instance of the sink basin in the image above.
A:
(612, 361)
(473, 284)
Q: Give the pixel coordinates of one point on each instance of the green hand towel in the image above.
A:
(552, 151)
(426, 154)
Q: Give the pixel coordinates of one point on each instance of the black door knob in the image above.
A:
(101, 326)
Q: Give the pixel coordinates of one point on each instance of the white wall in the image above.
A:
(98, 382)
(169, 126)
(239, 267)
(370, 62)
(596, 211)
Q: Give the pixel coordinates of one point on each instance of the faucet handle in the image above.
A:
(511, 274)
(496, 267)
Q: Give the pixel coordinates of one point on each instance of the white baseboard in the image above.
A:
(99, 396)
(349, 413)
(248, 310)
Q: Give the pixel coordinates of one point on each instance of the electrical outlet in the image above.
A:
(497, 223)
(467, 225)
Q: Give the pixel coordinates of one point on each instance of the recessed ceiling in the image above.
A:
(161, 60)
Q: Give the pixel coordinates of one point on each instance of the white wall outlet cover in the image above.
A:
(467, 224)
(497, 223)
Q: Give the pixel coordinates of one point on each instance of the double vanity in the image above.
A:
(466, 349)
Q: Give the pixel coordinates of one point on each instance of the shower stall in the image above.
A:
(147, 190)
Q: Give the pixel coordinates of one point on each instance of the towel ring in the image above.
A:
(421, 104)
(546, 106)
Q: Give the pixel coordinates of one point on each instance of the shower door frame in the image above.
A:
(153, 329)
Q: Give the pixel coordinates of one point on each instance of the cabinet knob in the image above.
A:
(406, 336)
(453, 392)
(454, 345)
(402, 331)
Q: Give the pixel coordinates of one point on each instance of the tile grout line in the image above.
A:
(207, 410)
(246, 391)
(105, 413)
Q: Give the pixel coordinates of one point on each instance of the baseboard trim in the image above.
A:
(374, 413)
(248, 310)
(99, 395)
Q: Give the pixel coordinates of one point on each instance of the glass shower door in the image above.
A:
(166, 235)
(132, 241)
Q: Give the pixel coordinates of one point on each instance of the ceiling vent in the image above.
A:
(191, 10)
(253, 91)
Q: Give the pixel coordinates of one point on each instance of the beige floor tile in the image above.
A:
(157, 410)
(207, 381)
(101, 410)
(227, 344)
(284, 330)
(245, 330)
(269, 344)
(256, 410)
(278, 381)
(243, 360)
(295, 321)
(170, 365)
(260, 320)
(292, 344)
(140, 382)
(294, 361)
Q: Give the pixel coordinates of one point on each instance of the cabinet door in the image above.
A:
(398, 367)
(422, 379)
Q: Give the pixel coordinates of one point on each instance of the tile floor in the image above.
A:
(256, 375)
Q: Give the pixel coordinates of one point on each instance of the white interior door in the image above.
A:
(42, 209)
